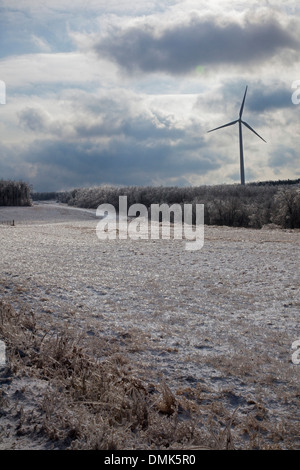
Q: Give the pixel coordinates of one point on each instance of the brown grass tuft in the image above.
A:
(57, 393)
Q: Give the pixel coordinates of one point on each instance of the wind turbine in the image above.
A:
(239, 120)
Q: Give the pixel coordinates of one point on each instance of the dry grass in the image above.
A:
(56, 394)
(86, 403)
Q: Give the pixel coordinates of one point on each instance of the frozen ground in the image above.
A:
(222, 319)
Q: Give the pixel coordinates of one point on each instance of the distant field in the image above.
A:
(206, 334)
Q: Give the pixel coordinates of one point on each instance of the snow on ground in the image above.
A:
(224, 316)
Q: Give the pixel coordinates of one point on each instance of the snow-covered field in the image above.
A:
(222, 318)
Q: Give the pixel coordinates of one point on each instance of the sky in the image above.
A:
(124, 93)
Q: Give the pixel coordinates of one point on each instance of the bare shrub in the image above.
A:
(287, 208)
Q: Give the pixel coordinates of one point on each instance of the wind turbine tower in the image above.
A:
(240, 121)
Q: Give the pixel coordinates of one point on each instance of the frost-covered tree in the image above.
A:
(287, 208)
(14, 193)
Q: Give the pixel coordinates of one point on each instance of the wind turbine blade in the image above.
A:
(249, 127)
(225, 125)
(242, 107)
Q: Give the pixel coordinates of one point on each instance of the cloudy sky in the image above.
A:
(124, 92)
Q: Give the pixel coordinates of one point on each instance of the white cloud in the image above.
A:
(40, 43)
(66, 69)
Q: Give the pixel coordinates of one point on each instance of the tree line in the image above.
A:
(252, 205)
(14, 193)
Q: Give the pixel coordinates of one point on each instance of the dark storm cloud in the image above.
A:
(140, 129)
(67, 164)
(260, 97)
(284, 157)
(32, 119)
(268, 98)
(179, 48)
(120, 143)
